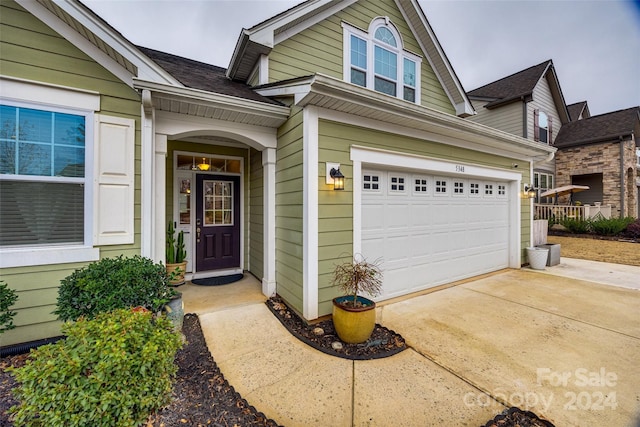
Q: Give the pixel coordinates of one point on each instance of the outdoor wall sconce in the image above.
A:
(334, 176)
(529, 192)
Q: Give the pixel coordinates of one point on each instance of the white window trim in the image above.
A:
(25, 256)
(349, 30)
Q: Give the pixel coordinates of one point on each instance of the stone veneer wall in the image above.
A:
(601, 158)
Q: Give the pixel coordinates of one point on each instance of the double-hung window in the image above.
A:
(67, 175)
(377, 60)
(43, 175)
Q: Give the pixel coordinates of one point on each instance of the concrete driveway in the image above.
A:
(564, 348)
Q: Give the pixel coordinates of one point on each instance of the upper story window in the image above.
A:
(42, 176)
(376, 60)
(542, 129)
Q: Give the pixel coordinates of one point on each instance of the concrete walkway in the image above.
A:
(567, 349)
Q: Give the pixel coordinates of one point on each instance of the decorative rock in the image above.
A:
(336, 345)
(318, 332)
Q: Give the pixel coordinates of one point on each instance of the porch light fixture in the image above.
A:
(529, 192)
(204, 166)
(338, 178)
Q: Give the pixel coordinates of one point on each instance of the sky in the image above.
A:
(594, 45)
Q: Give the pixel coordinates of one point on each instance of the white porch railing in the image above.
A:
(559, 212)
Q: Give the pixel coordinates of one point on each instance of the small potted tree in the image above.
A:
(176, 254)
(354, 316)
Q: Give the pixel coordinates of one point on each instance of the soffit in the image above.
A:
(203, 104)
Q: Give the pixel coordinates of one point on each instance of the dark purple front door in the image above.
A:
(217, 222)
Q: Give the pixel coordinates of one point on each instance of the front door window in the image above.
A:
(218, 202)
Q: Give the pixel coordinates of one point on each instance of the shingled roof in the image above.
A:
(600, 128)
(578, 108)
(198, 75)
(512, 87)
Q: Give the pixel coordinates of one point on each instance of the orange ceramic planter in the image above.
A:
(354, 325)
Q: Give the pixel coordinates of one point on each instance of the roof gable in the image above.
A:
(520, 86)
(578, 109)
(601, 128)
(96, 38)
(514, 86)
(260, 40)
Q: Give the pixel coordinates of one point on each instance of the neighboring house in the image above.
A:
(115, 140)
(602, 152)
(529, 104)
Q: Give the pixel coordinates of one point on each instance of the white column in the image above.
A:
(269, 221)
(159, 198)
(310, 214)
(146, 175)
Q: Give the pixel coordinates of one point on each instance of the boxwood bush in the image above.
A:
(113, 370)
(113, 283)
(8, 297)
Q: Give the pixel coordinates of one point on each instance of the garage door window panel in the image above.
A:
(420, 186)
(371, 182)
(397, 184)
(488, 190)
(458, 188)
(441, 187)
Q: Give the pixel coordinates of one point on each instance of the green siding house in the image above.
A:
(104, 142)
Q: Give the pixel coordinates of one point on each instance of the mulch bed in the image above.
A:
(516, 417)
(620, 238)
(202, 396)
(322, 336)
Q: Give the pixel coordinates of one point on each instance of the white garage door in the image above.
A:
(429, 230)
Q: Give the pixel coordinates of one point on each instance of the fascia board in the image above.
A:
(264, 34)
(147, 69)
(374, 102)
(558, 97)
(215, 99)
(468, 109)
(298, 89)
(312, 20)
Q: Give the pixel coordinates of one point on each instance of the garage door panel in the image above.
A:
(426, 239)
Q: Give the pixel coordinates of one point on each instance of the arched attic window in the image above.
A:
(376, 59)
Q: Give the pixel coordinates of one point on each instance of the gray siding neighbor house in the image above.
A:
(597, 151)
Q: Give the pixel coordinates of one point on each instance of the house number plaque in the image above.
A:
(459, 168)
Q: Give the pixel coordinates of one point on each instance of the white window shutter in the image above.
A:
(114, 179)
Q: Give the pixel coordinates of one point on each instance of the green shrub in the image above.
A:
(610, 226)
(113, 283)
(576, 226)
(8, 297)
(114, 370)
